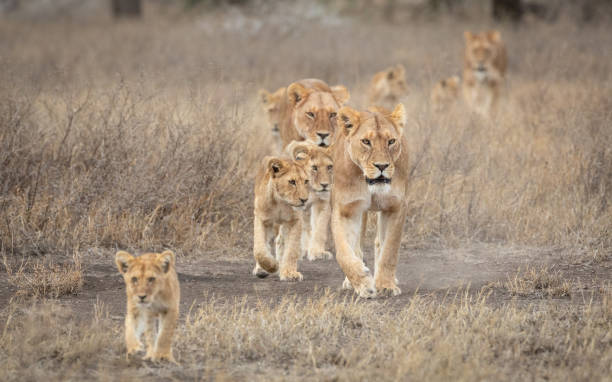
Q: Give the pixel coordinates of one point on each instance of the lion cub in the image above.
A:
(281, 195)
(153, 294)
(388, 86)
(318, 164)
(484, 68)
(272, 106)
(445, 93)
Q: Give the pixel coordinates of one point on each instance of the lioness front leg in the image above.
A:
(264, 262)
(346, 229)
(288, 266)
(390, 235)
(319, 221)
(163, 345)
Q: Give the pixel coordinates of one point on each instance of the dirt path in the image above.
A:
(424, 270)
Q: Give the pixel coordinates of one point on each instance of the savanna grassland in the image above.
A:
(144, 135)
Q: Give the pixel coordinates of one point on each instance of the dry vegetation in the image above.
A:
(144, 136)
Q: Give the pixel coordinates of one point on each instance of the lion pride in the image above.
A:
(153, 293)
(371, 173)
(484, 68)
(309, 111)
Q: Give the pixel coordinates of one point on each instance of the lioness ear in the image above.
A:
(166, 260)
(275, 166)
(341, 94)
(298, 150)
(468, 35)
(123, 260)
(399, 115)
(494, 36)
(264, 96)
(349, 118)
(296, 93)
(391, 74)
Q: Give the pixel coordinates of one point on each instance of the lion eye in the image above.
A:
(292, 182)
(151, 279)
(314, 168)
(306, 181)
(366, 142)
(329, 168)
(134, 280)
(332, 115)
(310, 114)
(391, 141)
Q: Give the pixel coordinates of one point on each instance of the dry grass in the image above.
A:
(461, 337)
(539, 282)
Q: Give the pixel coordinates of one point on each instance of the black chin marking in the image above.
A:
(380, 180)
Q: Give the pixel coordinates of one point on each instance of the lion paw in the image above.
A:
(388, 289)
(161, 357)
(260, 272)
(346, 284)
(291, 276)
(316, 255)
(366, 289)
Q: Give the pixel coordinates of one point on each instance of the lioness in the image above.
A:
(319, 166)
(370, 174)
(309, 112)
(445, 92)
(281, 195)
(484, 68)
(153, 293)
(388, 86)
(272, 104)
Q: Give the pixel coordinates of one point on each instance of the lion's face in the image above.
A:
(271, 103)
(144, 275)
(396, 80)
(481, 51)
(446, 90)
(374, 142)
(318, 164)
(289, 181)
(314, 112)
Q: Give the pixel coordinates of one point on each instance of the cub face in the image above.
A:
(144, 275)
(446, 91)
(374, 142)
(396, 79)
(289, 181)
(271, 104)
(318, 164)
(315, 112)
(481, 53)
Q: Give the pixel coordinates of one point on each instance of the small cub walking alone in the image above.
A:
(153, 294)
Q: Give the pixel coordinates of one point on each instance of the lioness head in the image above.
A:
(271, 103)
(318, 164)
(481, 51)
(289, 181)
(373, 140)
(144, 275)
(314, 111)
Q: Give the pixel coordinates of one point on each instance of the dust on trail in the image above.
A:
(421, 271)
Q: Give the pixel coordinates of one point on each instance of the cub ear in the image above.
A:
(166, 260)
(296, 93)
(494, 36)
(399, 115)
(341, 94)
(391, 74)
(275, 166)
(123, 260)
(298, 150)
(348, 118)
(264, 96)
(468, 35)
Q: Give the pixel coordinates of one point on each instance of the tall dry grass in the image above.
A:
(145, 135)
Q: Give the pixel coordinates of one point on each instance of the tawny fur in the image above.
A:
(153, 294)
(281, 195)
(484, 70)
(315, 226)
(388, 86)
(370, 140)
(271, 104)
(308, 112)
(445, 93)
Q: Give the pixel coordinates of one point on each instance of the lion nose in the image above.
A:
(303, 200)
(381, 166)
(142, 297)
(324, 185)
(323, 135)
(481, 68)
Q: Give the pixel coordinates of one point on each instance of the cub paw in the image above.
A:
(161, 357)
(291, 276)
